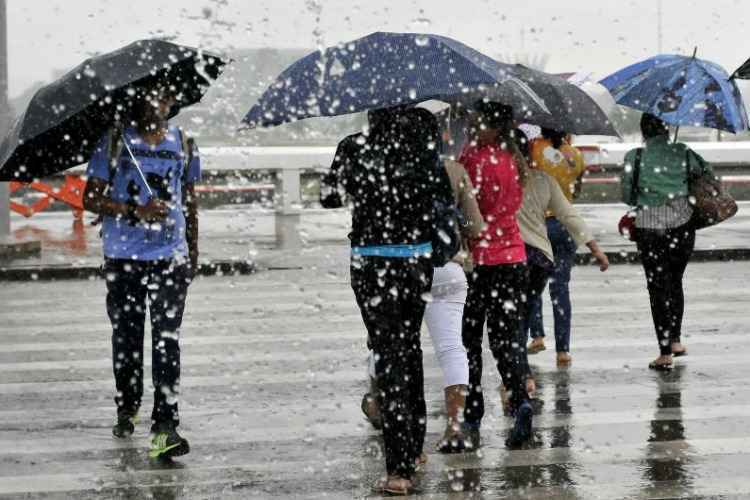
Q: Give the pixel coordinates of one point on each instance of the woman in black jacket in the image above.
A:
(392, 179)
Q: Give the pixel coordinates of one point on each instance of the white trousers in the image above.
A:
(444, 318)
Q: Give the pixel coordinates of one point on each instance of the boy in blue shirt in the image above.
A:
(141, 181)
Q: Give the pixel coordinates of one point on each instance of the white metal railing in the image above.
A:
(290, 162)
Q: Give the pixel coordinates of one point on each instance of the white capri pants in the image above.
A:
(444, 319)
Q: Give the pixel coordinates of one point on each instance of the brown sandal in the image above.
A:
(387, 487)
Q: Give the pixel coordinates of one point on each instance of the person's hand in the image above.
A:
(153, 211)
(602, 259)
(193, 263)
(600, 256)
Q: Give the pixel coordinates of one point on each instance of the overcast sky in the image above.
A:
(597, 36)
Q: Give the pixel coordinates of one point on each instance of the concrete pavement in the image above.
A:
(273, 372)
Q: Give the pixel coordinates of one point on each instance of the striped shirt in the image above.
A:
(673, 214)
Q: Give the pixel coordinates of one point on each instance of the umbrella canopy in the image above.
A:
(682, 91)
(743, 72)
(388, 69)
(571, 109)
(64, 120)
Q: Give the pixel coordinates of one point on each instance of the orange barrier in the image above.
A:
(70, 193)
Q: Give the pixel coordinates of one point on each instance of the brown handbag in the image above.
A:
(711, 203)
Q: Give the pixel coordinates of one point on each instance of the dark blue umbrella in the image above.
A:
(682, 91)
(389, 69)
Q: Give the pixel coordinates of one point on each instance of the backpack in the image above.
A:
(447, 221)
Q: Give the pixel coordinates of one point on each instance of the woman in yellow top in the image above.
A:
(553, 154)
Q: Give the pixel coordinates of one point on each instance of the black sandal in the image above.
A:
(660, 367)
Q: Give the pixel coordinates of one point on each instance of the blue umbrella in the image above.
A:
(389, 69)
(682, 91)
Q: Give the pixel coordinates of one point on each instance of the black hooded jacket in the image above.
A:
(391, 178)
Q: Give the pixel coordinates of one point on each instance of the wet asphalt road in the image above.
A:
(273, 372)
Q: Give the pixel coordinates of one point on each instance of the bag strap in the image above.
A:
(635, 188)
(188, 152)
(188, 149)
(115, 146)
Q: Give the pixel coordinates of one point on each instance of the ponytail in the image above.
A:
(508, 142)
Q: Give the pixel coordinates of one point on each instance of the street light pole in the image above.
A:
(659, 27)
(4, 119)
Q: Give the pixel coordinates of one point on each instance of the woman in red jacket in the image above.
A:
(497, 283)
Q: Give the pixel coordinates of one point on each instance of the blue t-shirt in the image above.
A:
(163, 166)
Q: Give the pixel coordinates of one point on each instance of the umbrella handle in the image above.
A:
(138, 168)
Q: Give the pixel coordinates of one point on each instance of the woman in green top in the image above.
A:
(655, 181)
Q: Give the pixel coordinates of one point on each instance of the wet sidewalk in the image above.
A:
(242, 240)
(273, 370)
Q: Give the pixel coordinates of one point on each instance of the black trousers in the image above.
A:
(132, 287)
(390, 294)
(665, 255)
(497, 296)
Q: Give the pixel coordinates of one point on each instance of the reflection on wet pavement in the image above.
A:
(273, 374)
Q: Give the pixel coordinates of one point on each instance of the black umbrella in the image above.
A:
(743, 72)
(64, 120)
(571, 109)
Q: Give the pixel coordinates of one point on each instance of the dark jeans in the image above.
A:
(133, 286)
(389, 293)
(564, 250)
(665, 255)
(495, 295)
(540, 269)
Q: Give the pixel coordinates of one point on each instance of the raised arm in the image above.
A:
(331, 191)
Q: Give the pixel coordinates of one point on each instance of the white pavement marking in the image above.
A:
(293, 356)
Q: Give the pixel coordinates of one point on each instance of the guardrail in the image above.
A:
(290, 162)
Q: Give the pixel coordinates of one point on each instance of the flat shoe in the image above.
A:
(382, 487)
(535, 349)
(679, 353)
(660, 367)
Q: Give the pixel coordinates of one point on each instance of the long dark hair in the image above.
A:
(522, 143)
(556, 136)
(500, 117)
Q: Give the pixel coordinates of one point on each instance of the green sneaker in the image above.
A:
(166, 443)
(125, 426)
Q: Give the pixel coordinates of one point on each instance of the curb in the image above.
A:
(633, 257)
(54, 273)
(243, 268)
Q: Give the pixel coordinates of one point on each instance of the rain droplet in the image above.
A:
(422, 41)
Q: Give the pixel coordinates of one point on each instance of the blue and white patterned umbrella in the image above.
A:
(682, 91)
